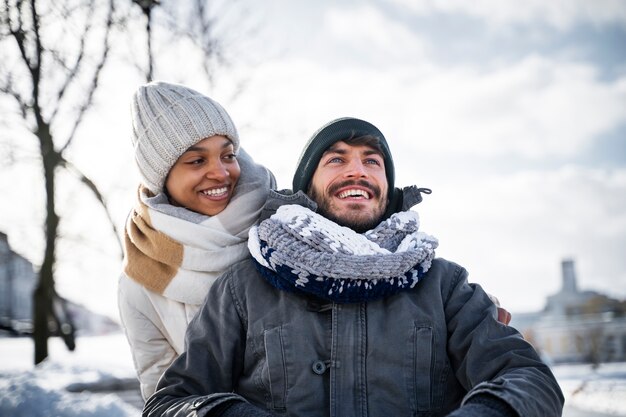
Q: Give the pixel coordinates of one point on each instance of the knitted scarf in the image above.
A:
(300, 251)
(180, 253)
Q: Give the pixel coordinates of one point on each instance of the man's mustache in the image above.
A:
(372, 188)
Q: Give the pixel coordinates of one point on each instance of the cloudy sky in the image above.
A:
(514, 113)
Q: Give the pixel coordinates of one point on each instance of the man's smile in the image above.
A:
(354, 190)
(354, 193)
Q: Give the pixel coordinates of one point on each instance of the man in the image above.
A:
(346, 312)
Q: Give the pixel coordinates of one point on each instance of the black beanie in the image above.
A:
(331, 133)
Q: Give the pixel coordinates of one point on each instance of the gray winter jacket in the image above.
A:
(423, 352)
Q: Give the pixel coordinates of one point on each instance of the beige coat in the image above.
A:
(155, 328)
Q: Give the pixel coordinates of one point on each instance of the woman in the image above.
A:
(199, 195)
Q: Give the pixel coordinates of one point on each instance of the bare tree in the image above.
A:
(195, 22)
(146, 7)
(53, 55)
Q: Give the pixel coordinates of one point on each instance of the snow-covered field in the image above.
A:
(49, 390)
(601, 390)
(42, 391)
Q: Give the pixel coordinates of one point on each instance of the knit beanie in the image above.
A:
(326, 136)
(167, 119)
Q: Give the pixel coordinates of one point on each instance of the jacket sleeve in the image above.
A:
(492, 359)
(203, 378)
(151, 351)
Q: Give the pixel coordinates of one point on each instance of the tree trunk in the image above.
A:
(45, 288)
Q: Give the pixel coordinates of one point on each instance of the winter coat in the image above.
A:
(155, 328)
(422, 352)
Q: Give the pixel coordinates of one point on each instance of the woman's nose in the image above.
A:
(216, 171)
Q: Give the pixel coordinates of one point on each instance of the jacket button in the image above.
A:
(319, 367)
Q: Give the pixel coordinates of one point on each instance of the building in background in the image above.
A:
(18, 280)
(576, 326)
(17, 283)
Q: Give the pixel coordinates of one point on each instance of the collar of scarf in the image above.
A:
(179, 253)
(300, 251)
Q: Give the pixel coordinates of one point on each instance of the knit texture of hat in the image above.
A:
(326, 136)
(169, 118)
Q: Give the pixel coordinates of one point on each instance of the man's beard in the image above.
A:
(352, 218)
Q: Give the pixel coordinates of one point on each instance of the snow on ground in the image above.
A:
(601, 390)
(42, 391)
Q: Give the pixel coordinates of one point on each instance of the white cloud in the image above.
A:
(561, 14)
(537, 108)
(368, 32)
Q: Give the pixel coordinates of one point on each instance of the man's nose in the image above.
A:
(355, 168)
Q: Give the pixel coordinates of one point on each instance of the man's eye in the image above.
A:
(334, 160)
(372, 161)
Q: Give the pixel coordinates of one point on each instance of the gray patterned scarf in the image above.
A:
(300, 251)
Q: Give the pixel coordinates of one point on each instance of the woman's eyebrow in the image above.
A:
(199, 148)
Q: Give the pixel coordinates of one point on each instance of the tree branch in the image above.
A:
(201, 31)
(149, 35)
(205, 42)
(7, 88)
(71, 76)
(96, 192)
(18, 33)
(36, 65)
(96, 76)
(146, 8)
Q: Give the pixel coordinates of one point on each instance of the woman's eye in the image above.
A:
(197, 161)
(230, 156)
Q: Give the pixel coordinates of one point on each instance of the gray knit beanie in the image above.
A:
(335, 131)
(168, 119)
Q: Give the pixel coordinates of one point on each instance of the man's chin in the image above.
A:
(359, 224)
(358, 216)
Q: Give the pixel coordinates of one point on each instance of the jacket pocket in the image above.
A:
(419, 372)
(277, 371)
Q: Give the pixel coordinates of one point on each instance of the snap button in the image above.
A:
(319, 367)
